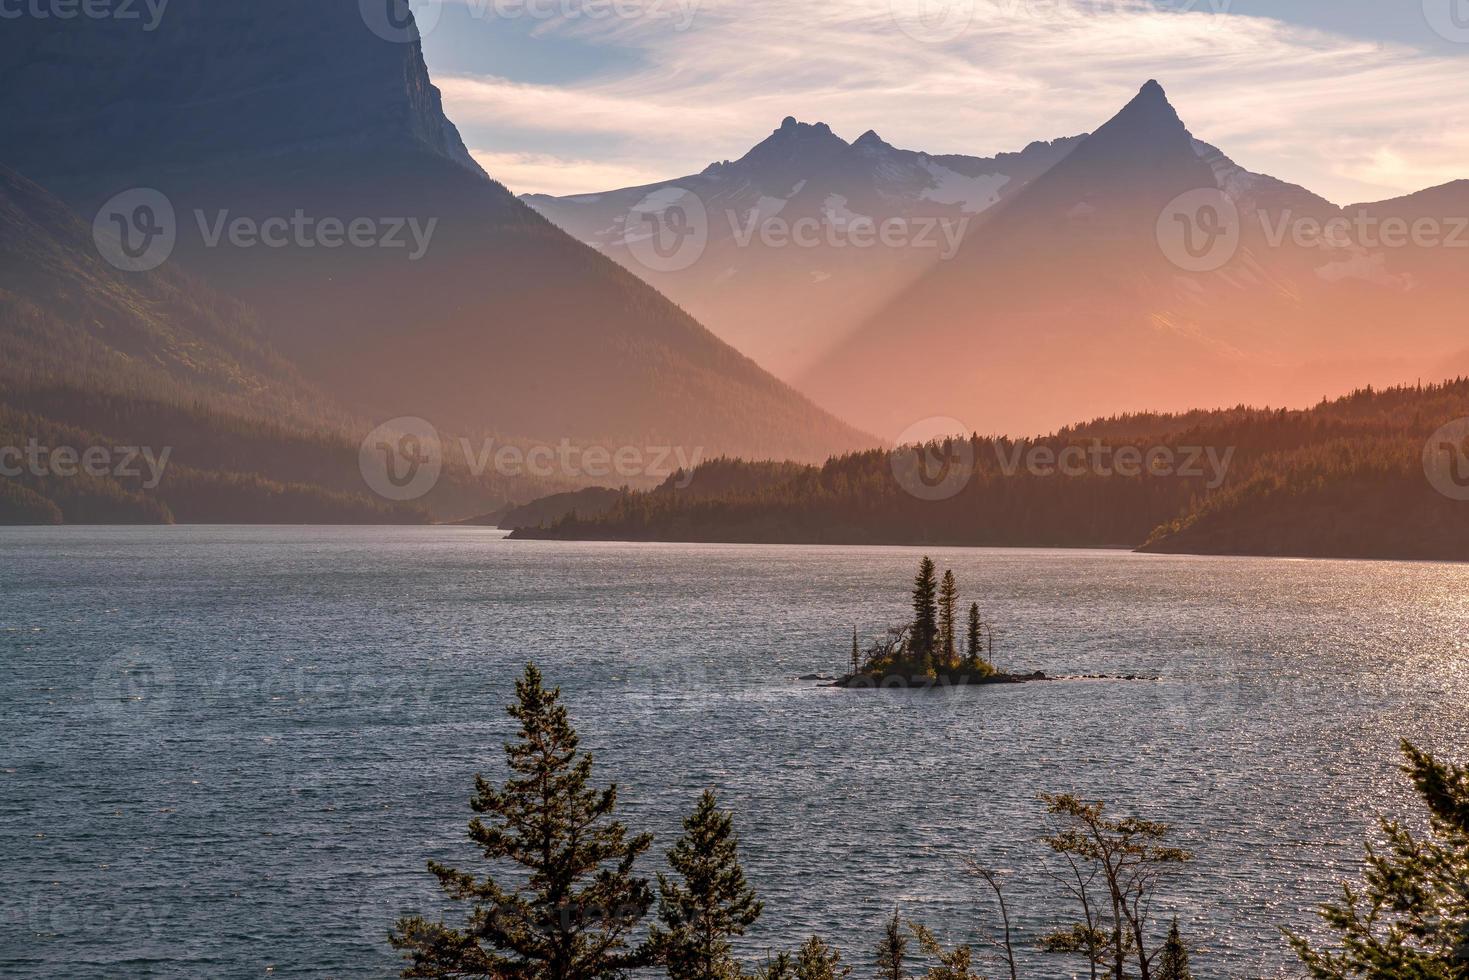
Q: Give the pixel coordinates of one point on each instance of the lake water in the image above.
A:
(227, 751)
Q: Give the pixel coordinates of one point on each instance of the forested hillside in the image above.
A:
(1345, 478)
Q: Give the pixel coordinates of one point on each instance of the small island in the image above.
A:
(925, 653)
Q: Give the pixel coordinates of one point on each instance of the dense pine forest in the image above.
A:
(1344, 478)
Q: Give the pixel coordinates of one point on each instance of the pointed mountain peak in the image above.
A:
(870, 140)
(1149, 117)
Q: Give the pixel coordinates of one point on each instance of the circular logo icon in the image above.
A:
(668, 230)
(932, 21)
(1199, 231)
(1448, 18)
(136, 230)
(135, 686)
(401, 21)
(1446, 460)
(402, 459)
(934, 458)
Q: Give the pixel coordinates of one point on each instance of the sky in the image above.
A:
(1358, 100)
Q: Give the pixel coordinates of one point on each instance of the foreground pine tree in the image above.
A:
(572, 916)
(892, 950)
(1173, 961)
(713, 904)
(1410, 918)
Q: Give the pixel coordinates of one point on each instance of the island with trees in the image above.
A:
(928, 652)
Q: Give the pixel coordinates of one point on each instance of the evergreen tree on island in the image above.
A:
(713, 904)
(579, 900)
(925, 615)
(973, 653)
(948, 598)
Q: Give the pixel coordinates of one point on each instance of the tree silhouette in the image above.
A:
(571, 917)
(925, 614)
(712, 904)
(948, 597)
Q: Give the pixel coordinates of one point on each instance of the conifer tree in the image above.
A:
(948, 597)
(925, 613)
(712, 904)
(578, 901)
(1173, 961)
(1410, 917)
(819, 961)
(856, 657)
(973, 654)
(892, 949)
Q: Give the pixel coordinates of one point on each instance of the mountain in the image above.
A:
(792, 256)
(304, 166)
(1146, 270)
(1374, 474)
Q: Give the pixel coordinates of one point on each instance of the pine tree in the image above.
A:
(818, 961)
(571, 917)
(948, 597)
(1173, 960)
(856, 657)
(973, 654)
(892, 949)
(1410, 918)
(925, 613)
(712, 904)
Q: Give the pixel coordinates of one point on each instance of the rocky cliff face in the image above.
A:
(214, 83)
(273, 126)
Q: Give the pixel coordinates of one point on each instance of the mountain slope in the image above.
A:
(1075, 299)
(459, 304)
(807, 234)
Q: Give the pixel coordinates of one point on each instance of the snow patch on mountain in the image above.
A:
(972, 194)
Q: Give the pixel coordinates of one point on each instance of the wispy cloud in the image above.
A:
(1348, 118)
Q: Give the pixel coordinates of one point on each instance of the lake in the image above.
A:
(227, 751)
